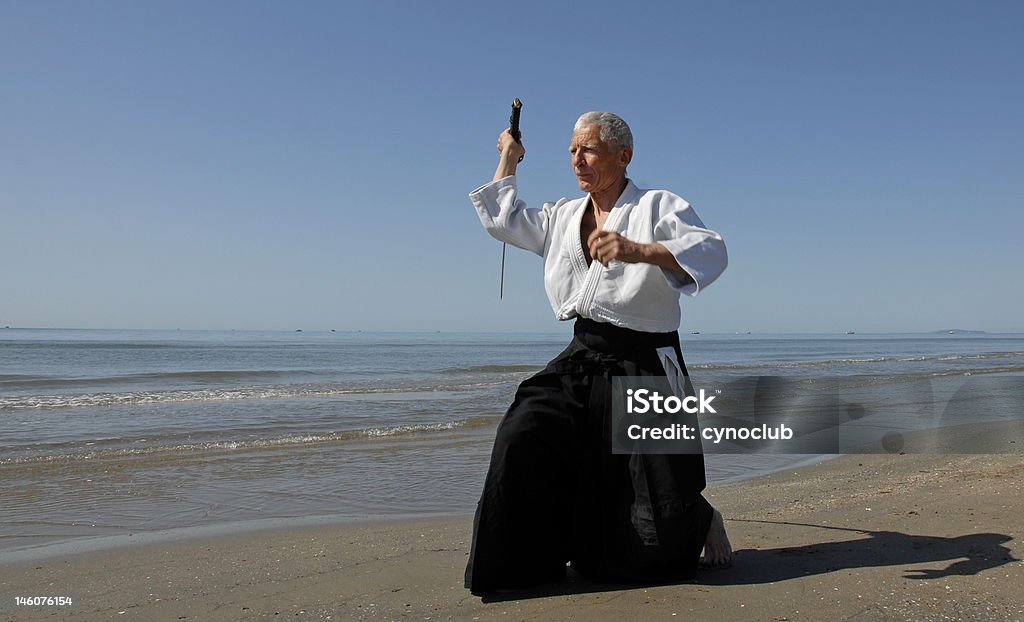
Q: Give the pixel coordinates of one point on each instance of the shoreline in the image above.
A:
(864, 537)
(77, 544)
(81, 544)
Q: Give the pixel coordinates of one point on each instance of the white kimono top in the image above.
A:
(639, 296)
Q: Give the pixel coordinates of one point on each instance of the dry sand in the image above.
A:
(870, 537)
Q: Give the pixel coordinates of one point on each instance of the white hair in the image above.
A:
(614, 131)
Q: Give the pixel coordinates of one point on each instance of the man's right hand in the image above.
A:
(506, 143)
(511, 152)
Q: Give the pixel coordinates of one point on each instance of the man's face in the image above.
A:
(597, 167)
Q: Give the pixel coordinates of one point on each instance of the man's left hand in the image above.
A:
(608, 245)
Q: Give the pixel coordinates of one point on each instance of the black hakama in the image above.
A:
(555, 492)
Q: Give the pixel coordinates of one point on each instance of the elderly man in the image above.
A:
(616, 261)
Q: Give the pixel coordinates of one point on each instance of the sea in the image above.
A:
(115, 436)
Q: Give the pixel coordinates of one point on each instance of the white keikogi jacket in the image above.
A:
(639, 296)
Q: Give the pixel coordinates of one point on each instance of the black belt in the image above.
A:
(605, 337)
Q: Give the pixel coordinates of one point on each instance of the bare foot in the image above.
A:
(717, 550)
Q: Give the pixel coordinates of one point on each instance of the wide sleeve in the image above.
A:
(507, 218)
(698, 250)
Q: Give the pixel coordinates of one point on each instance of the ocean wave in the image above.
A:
(25, 381)
(93, 400)
(492, 369)
(65, 452)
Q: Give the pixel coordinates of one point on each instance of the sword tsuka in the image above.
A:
(513, 121)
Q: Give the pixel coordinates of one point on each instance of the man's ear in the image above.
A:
(625, 156)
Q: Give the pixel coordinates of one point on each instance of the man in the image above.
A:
(616, 260)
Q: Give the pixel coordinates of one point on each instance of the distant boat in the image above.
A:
(850, 332)
(696, 332)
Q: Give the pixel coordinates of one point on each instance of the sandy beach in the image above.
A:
(863, 537)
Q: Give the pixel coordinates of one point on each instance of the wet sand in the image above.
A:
(869, 537)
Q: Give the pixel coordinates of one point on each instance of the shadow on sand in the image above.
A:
(955, 556)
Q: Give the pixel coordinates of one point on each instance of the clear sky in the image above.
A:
(282, 165)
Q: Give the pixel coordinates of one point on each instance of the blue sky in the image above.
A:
(273, 165)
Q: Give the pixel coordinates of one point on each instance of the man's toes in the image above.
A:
(715, 559)
(717, 549)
